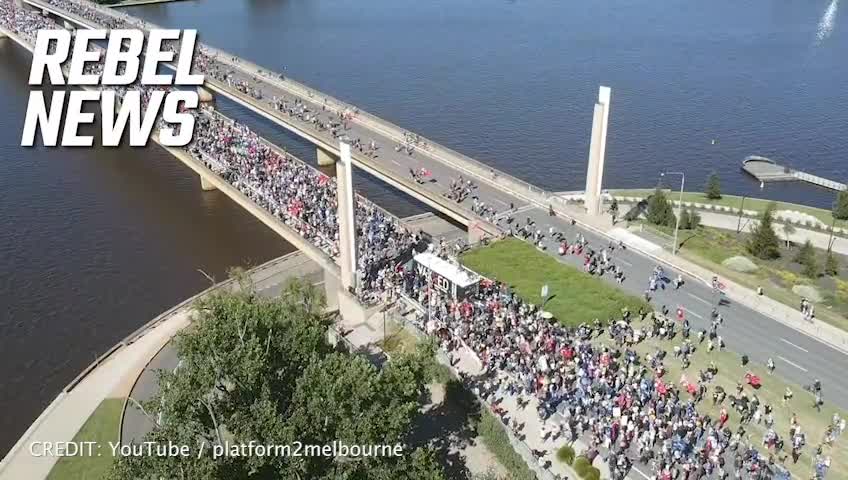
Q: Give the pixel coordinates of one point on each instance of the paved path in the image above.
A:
(115, 377)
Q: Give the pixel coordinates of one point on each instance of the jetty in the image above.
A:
(767, 170)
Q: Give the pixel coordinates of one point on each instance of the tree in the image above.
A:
(764, 243)
(806, 253)
(684, 219)
(831, 264)
(807, 257)
(659, 209)
(694, 220)
(840, 206)
(713, 188)
(788, 230)
(261, 370)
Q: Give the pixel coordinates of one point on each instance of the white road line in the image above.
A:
(698, 298)
(796, 346)
(641, 473)
(396, 162)
(799, 367)
(690, 312)
(620, 260)
(500, 201)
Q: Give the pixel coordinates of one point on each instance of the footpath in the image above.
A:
(114, 374)
(365, 337)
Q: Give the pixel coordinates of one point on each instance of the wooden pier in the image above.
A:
(767, 170)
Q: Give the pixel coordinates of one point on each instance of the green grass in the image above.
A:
(733, 201)
(577, 296)
(491, 430)
(731, 371)
(101, 427)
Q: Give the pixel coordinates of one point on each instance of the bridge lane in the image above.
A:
(745, 330)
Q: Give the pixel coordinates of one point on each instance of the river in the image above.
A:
(96, 242)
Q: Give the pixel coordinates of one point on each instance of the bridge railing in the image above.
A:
(458, 161)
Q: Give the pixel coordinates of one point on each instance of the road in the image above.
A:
(799, 357)
(136, 424)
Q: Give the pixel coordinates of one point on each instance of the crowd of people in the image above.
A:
(294, 192)
(623, 403)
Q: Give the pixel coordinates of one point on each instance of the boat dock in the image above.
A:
(767, 170)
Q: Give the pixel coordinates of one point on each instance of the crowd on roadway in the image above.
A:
(297, 194)
(601, 390)
(623, 403)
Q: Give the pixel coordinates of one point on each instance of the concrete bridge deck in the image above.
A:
(391, 166)
(755, 333)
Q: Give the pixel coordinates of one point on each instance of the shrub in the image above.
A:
(565, 454)
(592, 474)
(581, 466)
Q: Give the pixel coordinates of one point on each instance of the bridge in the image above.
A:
(755, 333)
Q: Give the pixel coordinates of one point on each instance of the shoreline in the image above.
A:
(136, 3)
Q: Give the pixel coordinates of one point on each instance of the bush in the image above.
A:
(581, 466)
(713, 188)
(496, 439)
(592, 474)
(566, 455)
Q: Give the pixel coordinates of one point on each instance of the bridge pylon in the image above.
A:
(325, 158)
(347, 230)
(597, 152)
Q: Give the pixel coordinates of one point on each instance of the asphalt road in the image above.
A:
(799, 358)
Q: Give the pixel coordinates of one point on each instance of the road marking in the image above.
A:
(799, 367)
(640, 473)
(621, 260)
(501, 202)
(396, 162)
(693, 313)
(698, 298)
(796, 346)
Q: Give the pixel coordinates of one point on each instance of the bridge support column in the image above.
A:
(68, 25)
(597, 151)
(347, 232)
(204, 95)
(332, 290)
(44, 12)
(325, 158)
(206, 185)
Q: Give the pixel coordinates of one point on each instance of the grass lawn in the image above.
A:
(709, 247)
(398, 339)
(731, 371)
(101, 427)
(733, 201)
(576, 296)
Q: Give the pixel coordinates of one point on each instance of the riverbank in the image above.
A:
(801, 215)
(135, 3)
(114, 375)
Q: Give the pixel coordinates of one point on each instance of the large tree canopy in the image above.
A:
(261, 370)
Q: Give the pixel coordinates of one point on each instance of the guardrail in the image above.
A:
(171, 312)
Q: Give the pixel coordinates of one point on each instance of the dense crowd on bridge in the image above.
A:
(623, 403)
(297, 194)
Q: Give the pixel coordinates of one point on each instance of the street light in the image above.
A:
(679, 207)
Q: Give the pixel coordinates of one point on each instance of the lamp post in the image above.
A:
(679, 207)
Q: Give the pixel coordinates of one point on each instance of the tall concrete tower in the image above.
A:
(597, 151)
(347, 232)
